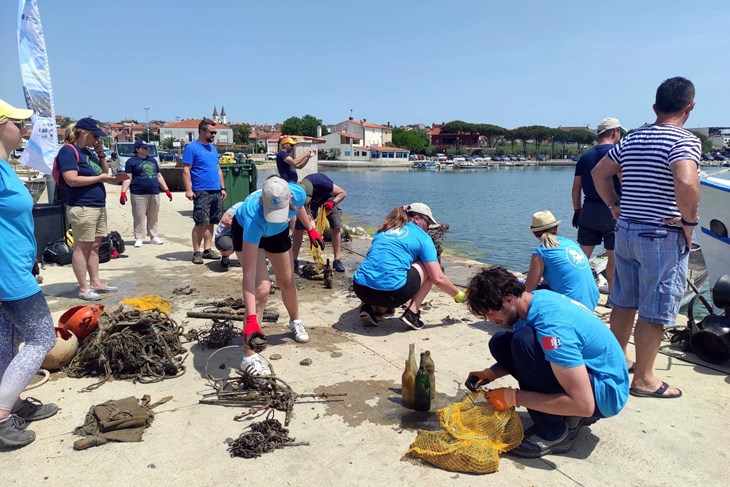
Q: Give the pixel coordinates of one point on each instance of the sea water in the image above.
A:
(488, 210)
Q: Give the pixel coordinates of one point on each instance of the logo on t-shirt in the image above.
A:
(577, 258)
(396, 233)
(149, 170)
(550, 343)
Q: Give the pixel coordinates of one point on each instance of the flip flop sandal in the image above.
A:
(659, 393)
(89, 296)
(256, 342)
(106, 289)
(632, 369)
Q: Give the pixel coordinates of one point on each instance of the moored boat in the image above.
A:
(713, 227)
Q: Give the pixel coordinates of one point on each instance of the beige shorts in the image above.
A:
(87, 222)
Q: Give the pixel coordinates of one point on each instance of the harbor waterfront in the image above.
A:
(488, 210)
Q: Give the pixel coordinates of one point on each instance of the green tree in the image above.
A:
(582, 137)
(167, 143)
(704, 140)
(493, 133)
(415, 141)
(241, 131)
(147, 135)
(307, 126)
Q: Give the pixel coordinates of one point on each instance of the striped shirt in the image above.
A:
(645, 156)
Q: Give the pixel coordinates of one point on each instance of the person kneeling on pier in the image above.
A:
(260, 231)
(569, 366)
(401, 265)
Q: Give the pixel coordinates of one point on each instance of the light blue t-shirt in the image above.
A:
(391, 255)
(567, 271)
(571, 335)
(18, 249)
(250, 215)
(203, 162)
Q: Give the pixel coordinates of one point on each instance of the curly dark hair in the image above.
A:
(487, 288)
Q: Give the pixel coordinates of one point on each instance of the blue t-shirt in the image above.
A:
(286, 171)
(571, 335)
(144, 175)
(88, 165)
(18, 250)
(585, 165)
(251, 215)
(391, 255)
(322, 187)
(567, 271)
(203, 162)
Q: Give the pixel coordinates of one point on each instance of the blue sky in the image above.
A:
(511, 63)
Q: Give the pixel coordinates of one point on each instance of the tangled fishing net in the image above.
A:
(139, 345)
(220, 333)
(264, 437)
(475, 436)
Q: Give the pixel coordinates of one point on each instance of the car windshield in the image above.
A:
(127, 150)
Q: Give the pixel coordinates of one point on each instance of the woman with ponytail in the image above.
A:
(560, 263)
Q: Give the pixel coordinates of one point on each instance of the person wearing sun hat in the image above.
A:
(84, 173)
(260, 231)
(560, 263)
(23, 308)
(286, 164)
(401, 266)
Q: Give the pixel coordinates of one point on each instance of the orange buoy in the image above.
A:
(81, 320)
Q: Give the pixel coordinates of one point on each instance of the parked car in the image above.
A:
(575, 158)
(169, 156)
(541, 158)
(125, 150)
(706, 156)
(459, 159)
(270, 156)
(521, 158)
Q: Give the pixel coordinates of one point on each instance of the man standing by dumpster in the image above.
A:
(204, 186)
(656, 213)
(286, 164)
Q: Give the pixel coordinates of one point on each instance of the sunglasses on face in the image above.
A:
(23, 124)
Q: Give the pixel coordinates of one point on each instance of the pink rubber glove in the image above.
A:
(123, 198)
(328, 205)
(169, 194)
(315, 239)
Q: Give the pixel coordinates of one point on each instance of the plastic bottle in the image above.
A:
(422, 388)
(431, 369)
(408, 382)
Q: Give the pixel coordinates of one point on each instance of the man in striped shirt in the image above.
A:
(656, 213)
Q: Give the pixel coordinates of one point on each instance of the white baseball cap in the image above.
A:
(608, 123)
(424, 210)
(275, 197)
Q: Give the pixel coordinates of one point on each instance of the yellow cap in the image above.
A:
(9, 111)
(288, 140)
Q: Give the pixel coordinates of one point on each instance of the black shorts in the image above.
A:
(207, 207)
(276, 244)
(390, 299)
(596, 225)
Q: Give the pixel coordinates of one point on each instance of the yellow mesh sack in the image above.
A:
(474, 436)
(148, 302)
(321, 225)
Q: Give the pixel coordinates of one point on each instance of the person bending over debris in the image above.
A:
(569, 366)
(401, 265)
(323, 193)
(223, 237)
(260, 230)
(24, 313)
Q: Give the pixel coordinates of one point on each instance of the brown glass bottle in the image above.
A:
(431, 369)
(408, 382)
(422, 388)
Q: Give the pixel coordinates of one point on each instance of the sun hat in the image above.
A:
(543, 220)
(424, 210)
(306, 184)
(140, 144)
(288, 140)
(275, 197)
(608, 123)
(8, 111)
(90, 125)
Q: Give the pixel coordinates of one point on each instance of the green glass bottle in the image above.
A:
(423, 388)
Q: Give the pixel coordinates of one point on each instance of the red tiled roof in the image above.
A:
(349, 136)
(190, 124)
(436, 130)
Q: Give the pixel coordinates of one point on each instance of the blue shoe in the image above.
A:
(337, 265)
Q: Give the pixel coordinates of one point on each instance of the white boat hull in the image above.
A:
(714, 225)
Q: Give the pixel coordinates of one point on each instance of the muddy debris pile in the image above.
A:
(219, 334)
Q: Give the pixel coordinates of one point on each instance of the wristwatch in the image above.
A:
(611, 207)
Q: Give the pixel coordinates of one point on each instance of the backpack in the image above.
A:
(58, 177)
(57, 252)
(105, 250)
(117, 241)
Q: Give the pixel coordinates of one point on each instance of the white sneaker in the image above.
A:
(138, 243)
(300, 334)
(156, 241)
(254, 366)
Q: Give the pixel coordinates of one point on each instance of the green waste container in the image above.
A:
(240, 181)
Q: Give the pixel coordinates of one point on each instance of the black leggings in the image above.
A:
(390, 299)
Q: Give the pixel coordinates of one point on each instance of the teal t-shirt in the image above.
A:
(391, 255)
(571, 335)
(18, 249)
(250, 215)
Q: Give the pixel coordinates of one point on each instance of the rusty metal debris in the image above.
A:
(228, 309)
(220, 333)
(264, 437)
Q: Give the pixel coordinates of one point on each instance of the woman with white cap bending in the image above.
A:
(24, 314)
(260, 231)
(560, 262)
(402, 265)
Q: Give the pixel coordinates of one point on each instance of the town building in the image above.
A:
(364, 142)
(440, 139)
(186, 131)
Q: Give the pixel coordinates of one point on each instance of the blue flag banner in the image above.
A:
(36, 74)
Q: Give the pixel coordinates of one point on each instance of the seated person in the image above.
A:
(223, 238)
(401, 265)
(570, 368)
(561, 263)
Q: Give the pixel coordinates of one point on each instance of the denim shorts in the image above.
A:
(651, 270)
